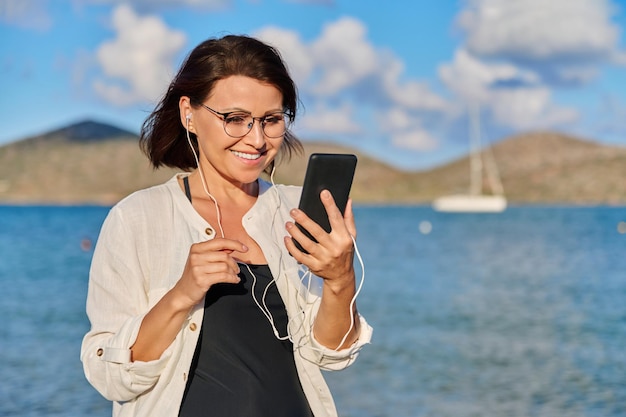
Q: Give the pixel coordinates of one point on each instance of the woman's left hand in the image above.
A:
(331, 257)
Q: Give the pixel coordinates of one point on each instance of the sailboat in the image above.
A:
(481, 163)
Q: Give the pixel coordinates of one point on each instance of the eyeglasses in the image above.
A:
(238, 124)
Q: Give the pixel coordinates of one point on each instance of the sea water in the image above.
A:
(515, 314)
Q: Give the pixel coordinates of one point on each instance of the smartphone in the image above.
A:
(325, 171)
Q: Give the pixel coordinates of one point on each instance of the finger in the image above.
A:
(335, 217)
(298, 235)
(293, 249)
(212, 268)
(348, 218)
(197, 279)
(216, 252)
(307, 223)
(208, 262)
(222, 244)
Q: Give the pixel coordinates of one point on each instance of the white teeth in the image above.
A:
(251, 156)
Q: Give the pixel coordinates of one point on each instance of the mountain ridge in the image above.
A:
(82, 131)
(96, 163)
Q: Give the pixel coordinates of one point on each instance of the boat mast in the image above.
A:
(476, 163)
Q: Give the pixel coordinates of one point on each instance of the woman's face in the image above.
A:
(238, 160)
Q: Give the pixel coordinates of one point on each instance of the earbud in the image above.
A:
(188, 116)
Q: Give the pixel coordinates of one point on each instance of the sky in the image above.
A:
(395, 79)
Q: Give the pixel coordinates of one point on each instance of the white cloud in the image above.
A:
(406, 130)
(29, 14)
(396, 118)
(472, 79)
(411, 94)
(415, 140)
(138, 62)
(343, 66)
(292, 49)
(327, 120)
(529, 108)
(342, 59)
(34, 14)
(152, 5)
(344, 56)
(345, 59)
(513, 96)
(564, 40)
(619, 58)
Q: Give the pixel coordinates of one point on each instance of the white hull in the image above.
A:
(470, 203)
(476, 201)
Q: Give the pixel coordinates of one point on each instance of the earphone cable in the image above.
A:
(307, 274)
(204, 185)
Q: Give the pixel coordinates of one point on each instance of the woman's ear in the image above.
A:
(186, 112)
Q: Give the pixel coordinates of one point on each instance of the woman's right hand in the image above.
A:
(208, 263)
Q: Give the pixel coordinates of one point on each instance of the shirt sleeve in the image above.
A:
(310, 349)
(330, 359)
(335, 360)
(117, 302)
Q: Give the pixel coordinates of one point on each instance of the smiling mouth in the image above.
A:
(248, 156)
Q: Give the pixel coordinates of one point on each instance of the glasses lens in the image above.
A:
(239, 124)
(274, 125)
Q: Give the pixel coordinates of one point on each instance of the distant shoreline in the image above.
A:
(87, 166)
(357, 205)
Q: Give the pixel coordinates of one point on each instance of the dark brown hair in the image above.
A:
(163, 137)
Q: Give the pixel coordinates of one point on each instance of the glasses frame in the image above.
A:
(261, 120)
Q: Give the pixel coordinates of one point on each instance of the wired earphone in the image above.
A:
(306, 275)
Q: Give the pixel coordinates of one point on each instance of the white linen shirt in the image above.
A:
(141, 253)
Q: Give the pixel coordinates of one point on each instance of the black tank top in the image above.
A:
(239, 367)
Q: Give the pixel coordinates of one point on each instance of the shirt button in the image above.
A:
(100, 352)
(193, 327)
(209, 231)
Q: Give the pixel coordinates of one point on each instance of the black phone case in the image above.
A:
(326, 171)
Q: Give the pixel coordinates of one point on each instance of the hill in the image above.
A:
(84, 131)
(90, 162)
(548, 167)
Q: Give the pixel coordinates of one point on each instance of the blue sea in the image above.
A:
(518, 314)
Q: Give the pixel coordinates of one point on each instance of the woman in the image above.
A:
(196, 299)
